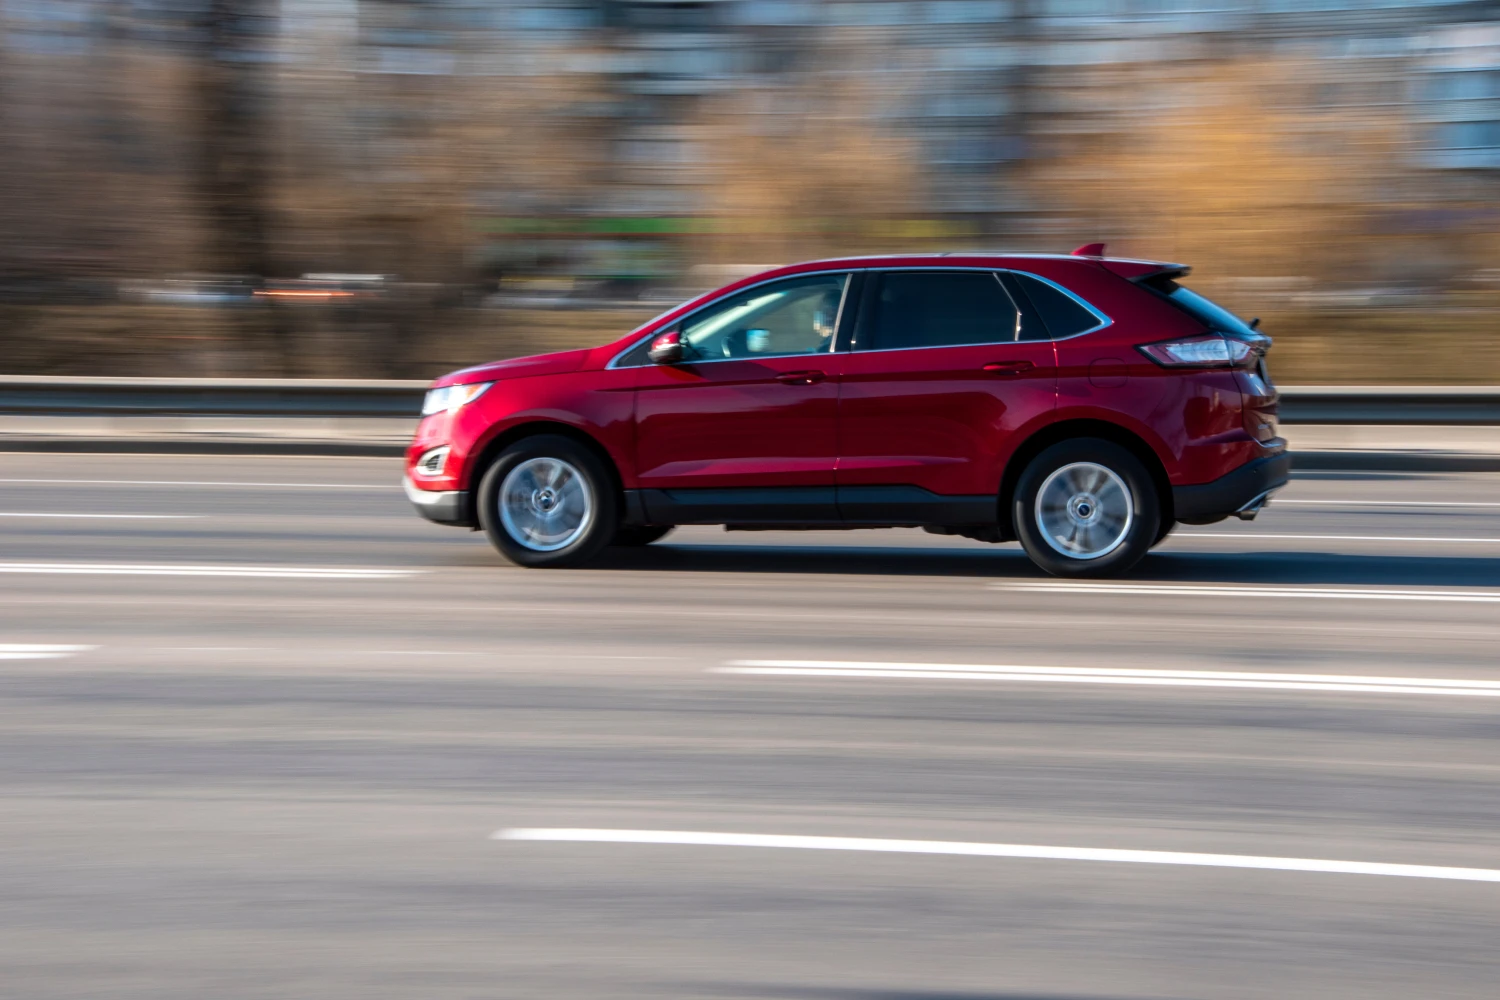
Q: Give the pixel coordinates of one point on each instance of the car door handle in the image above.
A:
(801, 378)
(1008, 367)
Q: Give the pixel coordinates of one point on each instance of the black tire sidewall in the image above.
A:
(606, 508)
(1163, 531)
(1143, 530)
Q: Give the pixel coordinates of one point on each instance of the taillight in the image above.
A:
(1211, 351)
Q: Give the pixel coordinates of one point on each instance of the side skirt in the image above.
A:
(811, 507)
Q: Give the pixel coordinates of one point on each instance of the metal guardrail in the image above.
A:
(39, 395)
(79, 396)
(1390, 404)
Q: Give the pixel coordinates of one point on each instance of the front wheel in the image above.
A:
(547, 501)
(1086, 507)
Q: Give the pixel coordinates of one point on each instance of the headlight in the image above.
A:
(451, 397)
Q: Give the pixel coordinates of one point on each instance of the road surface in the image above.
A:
(265, 733)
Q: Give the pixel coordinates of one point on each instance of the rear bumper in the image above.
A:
(440, 507)
(1243, 489)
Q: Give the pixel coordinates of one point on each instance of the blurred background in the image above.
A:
(393, 188)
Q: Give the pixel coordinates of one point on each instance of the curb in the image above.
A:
(1308, 461)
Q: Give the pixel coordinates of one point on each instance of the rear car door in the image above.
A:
(942, 378)
(744, 428)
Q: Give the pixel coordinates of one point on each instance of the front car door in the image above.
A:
(744, 428)
(947, 374)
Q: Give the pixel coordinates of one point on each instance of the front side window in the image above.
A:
(939, 309)
(796, 316)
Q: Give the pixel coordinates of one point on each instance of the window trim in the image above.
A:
(852, 346)
(833, 346)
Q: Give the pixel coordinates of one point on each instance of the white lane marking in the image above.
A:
(1249, 537)
(1326, 593)
(111, 517)
(33, 651)
(186, 569)
(1389, 503)
(1341, 683)
(694, 838)
(304, 650)
(194, 482)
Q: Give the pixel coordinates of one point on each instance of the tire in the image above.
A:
(628, 537)
(1163, 531)
(548, 501)
(1099, 512)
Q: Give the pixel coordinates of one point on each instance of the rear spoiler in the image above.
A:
(1129, 269)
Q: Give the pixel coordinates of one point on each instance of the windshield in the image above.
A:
(1202, 309)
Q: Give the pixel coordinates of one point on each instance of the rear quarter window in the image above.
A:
(1200, 307)
(1061, 314)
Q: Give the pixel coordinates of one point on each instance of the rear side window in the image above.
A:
(1201, 308)
(1063, 315)
(938, 309)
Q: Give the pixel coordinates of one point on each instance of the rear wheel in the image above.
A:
(1086, 507)
(630, 537)
(547, 501)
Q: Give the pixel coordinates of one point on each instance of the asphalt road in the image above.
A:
(279, 722)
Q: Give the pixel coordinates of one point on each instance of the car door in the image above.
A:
(744, 428)
(942, 378)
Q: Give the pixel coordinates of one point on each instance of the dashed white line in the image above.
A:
(1389, 503)
(197, 482)
(36, 651)
(1336, 683)
(1316, 593)
(695, 838)
(185, 569)
(109, 517)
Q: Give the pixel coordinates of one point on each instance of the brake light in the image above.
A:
(1201, 352)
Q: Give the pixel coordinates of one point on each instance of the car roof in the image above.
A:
(1125, 266)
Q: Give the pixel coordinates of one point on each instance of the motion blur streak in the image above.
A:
(696, 839)
(22, 651)
(399, 188)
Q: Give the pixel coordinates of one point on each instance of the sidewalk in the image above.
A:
(1404, 448)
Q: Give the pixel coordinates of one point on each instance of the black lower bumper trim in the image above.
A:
(1209, 502)
(451, 508)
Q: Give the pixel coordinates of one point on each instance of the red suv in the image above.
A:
(1082, 404)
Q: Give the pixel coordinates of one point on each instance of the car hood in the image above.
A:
(537, 364)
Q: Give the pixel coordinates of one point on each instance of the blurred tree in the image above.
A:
(792, 173)
(1245, 176)
(235, 144)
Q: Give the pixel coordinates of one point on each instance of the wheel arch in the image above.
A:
(532, 428)
(1065, 430)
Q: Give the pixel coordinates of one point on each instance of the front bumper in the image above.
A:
(1242, 490)
(441, 507)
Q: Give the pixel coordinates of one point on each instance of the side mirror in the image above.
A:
(666, 348)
